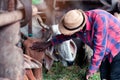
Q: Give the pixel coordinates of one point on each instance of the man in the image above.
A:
(98, 29)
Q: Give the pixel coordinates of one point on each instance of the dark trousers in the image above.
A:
(110, 71)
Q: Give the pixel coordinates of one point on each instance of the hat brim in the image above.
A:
(64, 31)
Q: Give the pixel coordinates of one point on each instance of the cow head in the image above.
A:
(66, 51)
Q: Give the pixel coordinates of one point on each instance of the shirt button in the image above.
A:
(84, 34)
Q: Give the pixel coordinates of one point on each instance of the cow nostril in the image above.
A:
(70, 63)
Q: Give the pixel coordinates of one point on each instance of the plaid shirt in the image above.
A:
(102, 34)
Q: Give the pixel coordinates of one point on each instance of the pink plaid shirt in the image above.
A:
(102, 34)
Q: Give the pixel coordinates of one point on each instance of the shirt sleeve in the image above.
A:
(99, 42)
(60, 38)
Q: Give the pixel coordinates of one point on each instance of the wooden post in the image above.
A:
(11, 56)
(14, 16)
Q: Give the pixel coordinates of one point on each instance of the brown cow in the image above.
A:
(33, 68)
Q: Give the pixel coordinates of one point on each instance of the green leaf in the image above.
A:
(36, 1)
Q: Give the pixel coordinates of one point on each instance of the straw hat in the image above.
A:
(72, 21)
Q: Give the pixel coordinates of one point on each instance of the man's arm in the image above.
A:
(41, 46)
(99, 42)
(61, 38)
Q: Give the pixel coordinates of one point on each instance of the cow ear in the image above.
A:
(73, 48)
(48, 62)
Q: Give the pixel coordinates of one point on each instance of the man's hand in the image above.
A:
(40, 46)
(88, 75)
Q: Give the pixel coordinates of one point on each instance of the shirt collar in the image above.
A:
(88, 25)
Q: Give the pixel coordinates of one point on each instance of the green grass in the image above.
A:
(59, 72)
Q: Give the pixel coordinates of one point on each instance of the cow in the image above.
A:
(40, 34)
